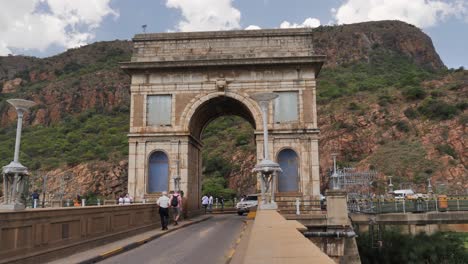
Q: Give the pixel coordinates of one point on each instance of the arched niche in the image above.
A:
(158, 172)
(288, 180)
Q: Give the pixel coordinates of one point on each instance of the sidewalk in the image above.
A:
(119, 246)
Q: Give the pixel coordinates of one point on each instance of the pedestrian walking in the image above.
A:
(163, 203)
(210, 203)
(204, 202)
(176, 204)
(221, 200)
(35, 198)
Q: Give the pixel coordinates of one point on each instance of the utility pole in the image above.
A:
(44, 186)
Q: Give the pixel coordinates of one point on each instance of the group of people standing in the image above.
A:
(174, 201)
(207, 202)
(125, 199)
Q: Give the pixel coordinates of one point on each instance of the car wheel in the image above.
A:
(240, 213)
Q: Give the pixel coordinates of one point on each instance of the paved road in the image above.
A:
(206, 242)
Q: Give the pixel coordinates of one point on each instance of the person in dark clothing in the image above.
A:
(35, 198)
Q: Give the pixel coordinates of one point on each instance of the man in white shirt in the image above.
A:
(210, 203)
(164, 204)
(204, 202)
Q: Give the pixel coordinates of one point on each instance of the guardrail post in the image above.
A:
(396, 205)
(298, 212)
(404, 206)
(83, 202)
(35, 203)
(436, 206)
(99, 202)
(427, 205)
(68, 203)
(216, 205)
(458, 204)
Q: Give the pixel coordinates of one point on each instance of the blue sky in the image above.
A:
(47, 27)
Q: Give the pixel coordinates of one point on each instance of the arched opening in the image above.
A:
(217, 107)
(158, 174)
(225, 126)
(288, 180)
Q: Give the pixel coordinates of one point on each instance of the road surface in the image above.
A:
(206, 242)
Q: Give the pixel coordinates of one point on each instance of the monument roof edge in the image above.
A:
(135, 65)
(223, 34)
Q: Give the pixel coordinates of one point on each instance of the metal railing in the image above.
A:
(420, 205)
(73, 203)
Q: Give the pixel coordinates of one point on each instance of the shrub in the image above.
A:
(402, 126)
(447, 149)
(385, 100)
(421, 248)
(410, 113)
(437, 109)
(414, 93)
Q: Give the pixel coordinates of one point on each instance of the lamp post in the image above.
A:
(334, 176)
(390, 184)
(266, 167)
(429, 187)
(14, 173)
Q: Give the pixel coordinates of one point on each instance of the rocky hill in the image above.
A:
(386, 101)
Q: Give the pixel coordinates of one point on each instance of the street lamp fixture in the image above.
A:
(14, 173)
(334, 176)
(390, 184)
(267, 168)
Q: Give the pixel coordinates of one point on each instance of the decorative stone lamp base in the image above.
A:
(12, 207)
(269, 206)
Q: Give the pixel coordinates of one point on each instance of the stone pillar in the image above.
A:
(337, 209)
(315, 166)
(132, 183)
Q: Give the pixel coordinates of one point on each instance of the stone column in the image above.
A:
(337, 209)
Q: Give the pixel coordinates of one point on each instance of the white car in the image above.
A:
(248, 202)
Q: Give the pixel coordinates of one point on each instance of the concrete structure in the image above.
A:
(273, 239)
(39, 235)
(182, 81)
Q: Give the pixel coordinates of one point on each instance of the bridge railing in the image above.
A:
(57, 203)
(382, 206)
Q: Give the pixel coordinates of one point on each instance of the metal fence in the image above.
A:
(382, 206)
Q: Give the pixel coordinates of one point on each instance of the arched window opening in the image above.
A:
(158, 175)
(288, 180)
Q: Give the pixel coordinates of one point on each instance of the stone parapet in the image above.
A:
(40, 235)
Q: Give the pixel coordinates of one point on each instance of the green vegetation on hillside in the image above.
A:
(223, 139)
(383, 70)
(439, 248)
(400, 158)
(88, 136)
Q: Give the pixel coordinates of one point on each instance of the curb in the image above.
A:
(232, 251)
(133, 245)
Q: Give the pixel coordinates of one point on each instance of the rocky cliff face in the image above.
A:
(350, 43)
(89, 78)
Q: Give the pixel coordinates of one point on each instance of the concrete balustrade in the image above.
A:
(39, 235)
(274, 239)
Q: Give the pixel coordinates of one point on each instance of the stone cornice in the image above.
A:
(315, 60)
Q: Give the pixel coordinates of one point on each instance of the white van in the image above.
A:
(402, 194)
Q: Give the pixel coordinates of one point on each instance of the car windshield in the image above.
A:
(251, 198)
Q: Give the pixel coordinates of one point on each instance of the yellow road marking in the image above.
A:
(111, 252)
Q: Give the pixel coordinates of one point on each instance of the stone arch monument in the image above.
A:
(182, 81)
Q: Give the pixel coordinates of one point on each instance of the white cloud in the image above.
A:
(252, 27)
(421, 13)
(200, 15)
(26, 26)
(309, 22)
